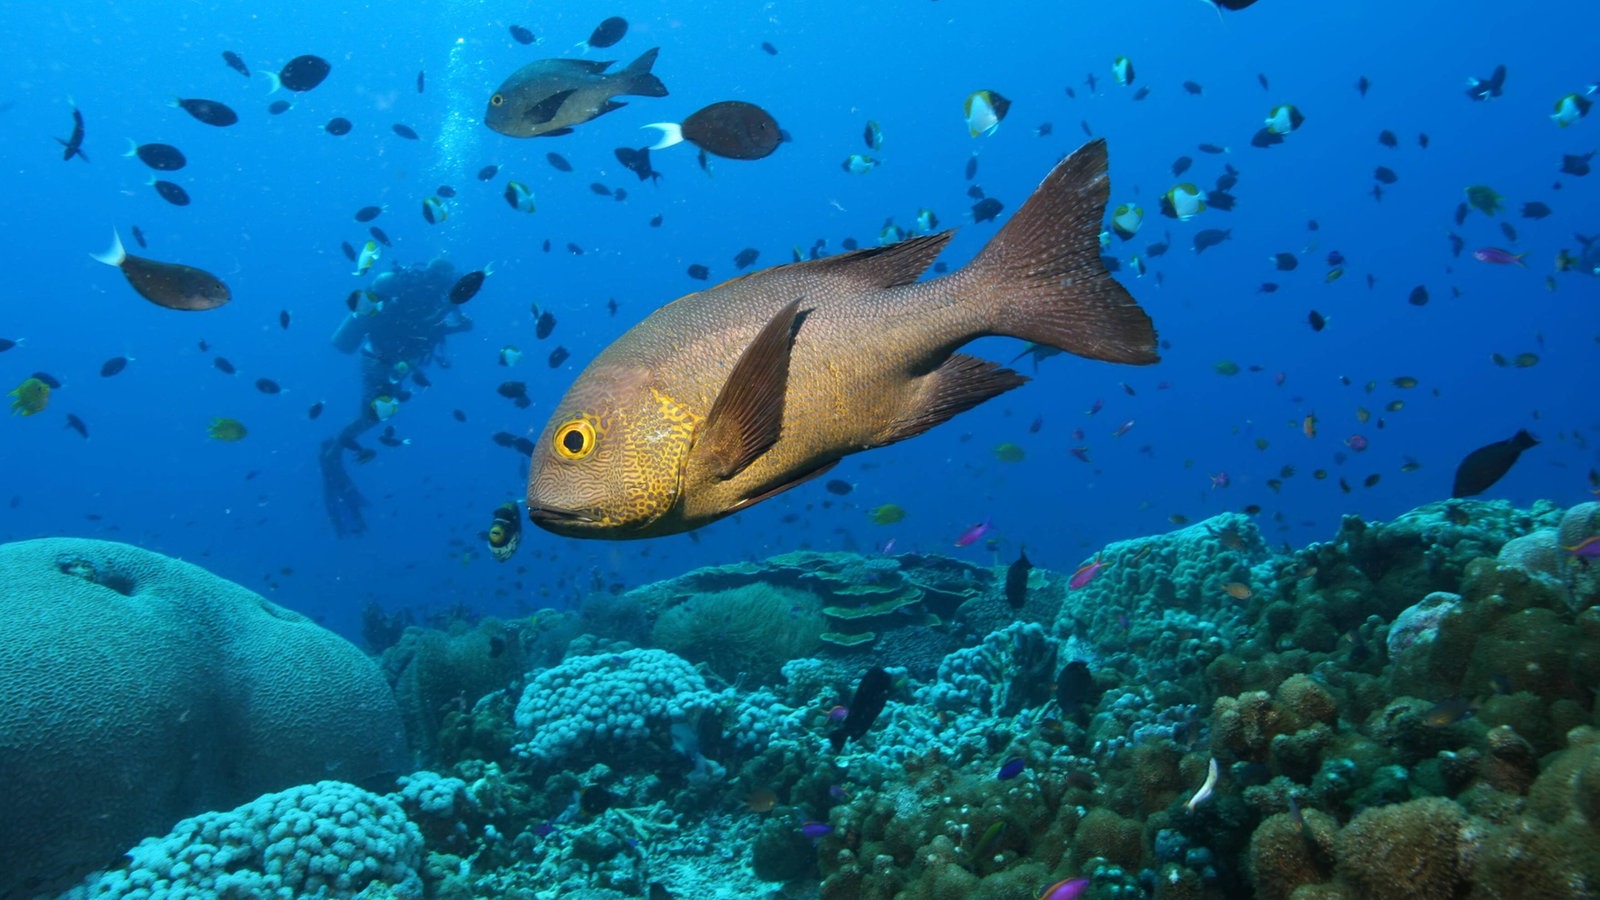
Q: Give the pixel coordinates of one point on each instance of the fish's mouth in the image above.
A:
(555, 518)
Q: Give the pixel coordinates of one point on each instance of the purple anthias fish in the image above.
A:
(1086, 573)
(1588, 548)
(1498, 256)
(816, 830)
(973, 534)
(1012, 768)
(1069, 889)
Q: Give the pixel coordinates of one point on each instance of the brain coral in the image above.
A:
(140, 689)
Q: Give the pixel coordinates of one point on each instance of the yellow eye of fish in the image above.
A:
(497, 100)
(575, 440)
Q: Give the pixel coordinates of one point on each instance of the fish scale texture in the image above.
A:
(608, 703)
(328, 839)
(137, 689)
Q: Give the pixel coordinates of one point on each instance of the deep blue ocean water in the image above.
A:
(274, 195)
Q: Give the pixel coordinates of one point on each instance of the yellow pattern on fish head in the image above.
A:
(612, 462)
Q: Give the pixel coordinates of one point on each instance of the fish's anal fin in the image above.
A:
(747, 416)
(958, 385)
(771, 492)
(546, 109)
(610, 106)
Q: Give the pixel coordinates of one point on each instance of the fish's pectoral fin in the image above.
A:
(546, 109)
(609, 106)
(771, 492)
(747, 416)
(958, 385)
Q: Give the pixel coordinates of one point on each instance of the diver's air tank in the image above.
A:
(347, 337)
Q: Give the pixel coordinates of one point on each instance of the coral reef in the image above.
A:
(146, 689)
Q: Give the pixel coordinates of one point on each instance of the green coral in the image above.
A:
(750, 630)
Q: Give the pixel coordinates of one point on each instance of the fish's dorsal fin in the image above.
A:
(747, 415)
(892, 265)
(583, 66)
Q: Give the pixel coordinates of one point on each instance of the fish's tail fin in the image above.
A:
(116, 255)
(641, 82)
(1522, 440)
(1042, 276)
(671, 133)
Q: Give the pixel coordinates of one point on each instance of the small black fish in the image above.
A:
(574, 249)
(972, 167)
(1261, 78)
(1509, 230)
(745, 258)
(600, 189)
(1457, 242)
(302, 73)
(349, 250)
(420, 80)
(161, 157)
(209, 111)
(445, 191)
(1267, 287)
(558, 162)
(558, 356)
(1181, 165)
(235, 62)
(1044, 130)
(1265, 138)
(545, 325)
(268, 386)
(279, 107)
(637, 162)
(420, 379)
(986, 210)
(74, 143)
(171, 193)
(1220, 200)
(223, 365)
(516, 392)
(1142, 92)
(368, 213)
(283, 319)
(1362, 84)
(850, 243)
(1387, 138)
(379, 236)
(50, 381)
(1017, 580)
(1285, 262)
(769, 49)
(1419, 296)
(1210, 237)
(487, 173)
(1158, 248)
(138, 236)
(869, 699)
(112, 366)
(466, 287)
(1488, 464)
(1422, 140)
(620, 194)
(76, 424)
(1533, 209)
(608, 32)
(839, 487)
(1576, 165)
(1076, 691)
(458, 415)
(611, 305)
(655, 221)
(1318, 320)
(6, 344)
(406, 132)
(1462, 209)
(337, 126)
(314, 411)
(1484, 88)
(1193, 87)
(1385, 175)
(699, 272)
(522, 35)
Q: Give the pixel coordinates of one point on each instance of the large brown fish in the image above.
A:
(548, 97)
(173, 285)
(729, 396)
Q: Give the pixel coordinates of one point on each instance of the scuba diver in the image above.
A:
(396, 327)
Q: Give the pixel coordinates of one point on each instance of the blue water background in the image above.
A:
(274, 195)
